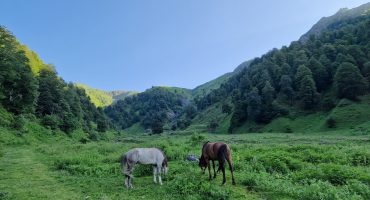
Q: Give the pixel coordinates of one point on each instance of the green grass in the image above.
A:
(49, 165)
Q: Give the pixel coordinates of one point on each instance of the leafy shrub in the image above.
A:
(50, 121)
(19, 124)
(335, 174)
(197, 139)
(359, 188)
(185, 186)
(84, 140)
(6, 118)
(94, 136)
(360, 158)
(288, 129)
(331, 123)
(279, 162)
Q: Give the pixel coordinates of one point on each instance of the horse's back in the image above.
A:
(210, 149)
(150, 155)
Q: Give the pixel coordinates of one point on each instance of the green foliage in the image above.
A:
(349, 82)
(299, 74)
(98, 97)
(331, 123)
(152, 108)
(18, 87)
(6, 118)
(34, 61)
(191, 185)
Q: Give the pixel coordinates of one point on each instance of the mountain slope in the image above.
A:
(34, 60)
(343, 14)
(153, 109)
(102, 98)
(207, 87)
(301, 79)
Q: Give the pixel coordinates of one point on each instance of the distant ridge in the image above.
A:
(103, 98)
(343, 14)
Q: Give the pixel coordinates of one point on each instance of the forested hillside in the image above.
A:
(32, 91)
(101, 98)
(311, 76)
(153, 109)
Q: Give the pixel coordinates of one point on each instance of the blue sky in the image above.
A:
(136, 44)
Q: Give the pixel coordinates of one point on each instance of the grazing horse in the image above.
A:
(216, 151)
(144, 156)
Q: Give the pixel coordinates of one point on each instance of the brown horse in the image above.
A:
(216, 151)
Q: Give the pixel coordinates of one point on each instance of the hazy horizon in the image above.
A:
(132, 46)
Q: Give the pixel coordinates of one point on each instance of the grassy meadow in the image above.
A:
(41, 164)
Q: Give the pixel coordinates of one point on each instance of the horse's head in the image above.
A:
(202, 163)
(165, 166)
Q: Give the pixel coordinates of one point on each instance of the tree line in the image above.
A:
(310, 75)
(43, 94)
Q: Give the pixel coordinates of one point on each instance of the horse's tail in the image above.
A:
(222, 153)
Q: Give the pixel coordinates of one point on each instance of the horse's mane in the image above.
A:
(205, 145)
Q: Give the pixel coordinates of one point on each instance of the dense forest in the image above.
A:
(32, 90)
(311, 75)
(153, 109)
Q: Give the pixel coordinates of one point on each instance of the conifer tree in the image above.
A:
(349, 82)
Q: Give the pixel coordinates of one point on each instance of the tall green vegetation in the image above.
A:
(41, 92)
(153, 109)
(304, 75)
(18, 87)
(349, 82)
(306, 87)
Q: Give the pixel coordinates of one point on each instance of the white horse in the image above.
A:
(144, 156)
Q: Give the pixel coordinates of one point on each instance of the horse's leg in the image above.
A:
(126, 181)
(155, 174)
(159, 174)
(223, 174)
(231, 169)
(214, 169)
(209, 169)
(131, 170)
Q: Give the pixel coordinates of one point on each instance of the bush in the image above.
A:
(190, 185)
(19, 123)
(335, 174)
(359, 188)
(331, 123)
(94, 136)
(288, 129)
(197, 139)
(212, 126)
(50, 121)
(360, 158)
(6, 119)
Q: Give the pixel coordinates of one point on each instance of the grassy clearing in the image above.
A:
(267, 166)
